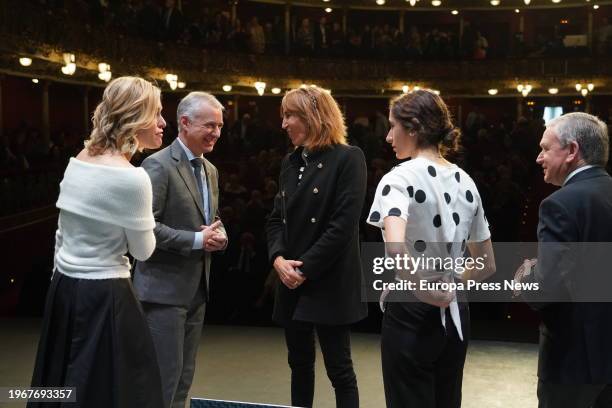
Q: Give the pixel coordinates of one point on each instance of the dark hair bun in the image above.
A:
(450, 141)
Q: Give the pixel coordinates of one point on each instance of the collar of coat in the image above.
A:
(296, 156)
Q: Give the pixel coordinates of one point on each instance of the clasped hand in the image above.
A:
(523, 271)
(214, 239)
(288, 273)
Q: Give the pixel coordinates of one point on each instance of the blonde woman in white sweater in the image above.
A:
(94, 336)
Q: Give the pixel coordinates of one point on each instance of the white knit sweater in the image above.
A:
(105, 212)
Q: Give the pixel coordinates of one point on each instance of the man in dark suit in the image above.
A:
(321, 36)
(173, 283)
(575, 358)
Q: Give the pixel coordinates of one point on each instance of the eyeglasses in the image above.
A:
(210, 127)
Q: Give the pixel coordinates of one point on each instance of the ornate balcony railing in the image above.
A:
(27, 29)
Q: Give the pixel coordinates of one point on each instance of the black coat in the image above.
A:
(317, 222)
(575, 337)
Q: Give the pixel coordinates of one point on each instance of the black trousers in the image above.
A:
(551, 395)
(335, 345)
(422, 361)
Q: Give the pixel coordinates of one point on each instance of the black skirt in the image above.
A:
(95, 338)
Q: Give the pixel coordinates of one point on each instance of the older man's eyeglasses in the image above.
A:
(209, 127)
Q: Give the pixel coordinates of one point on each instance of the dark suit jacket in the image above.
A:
(317, 223)
(575, 337)
(318, 36)
(175, 271)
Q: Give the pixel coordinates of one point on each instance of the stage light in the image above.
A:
(70, 66)
(595, 6)
(436, 3)
(172, 80)
(455, 12)
(328, 10)
(556, 1)
(527, 2)
(578, 87)
(227, 88)
(412, 2)
(492, 91)
(590, 87)
(584, 91)
(380, 2)
(405, 89)
(25, 61)
(524, 89)
(69, 69)
(495, 3)
(275, 91)
(260, 87)
(105, 76)
(35, 80)
(181, 85)
(105, 72)
(416, 88)
(68, 58)
(517, 11)
(553, 91)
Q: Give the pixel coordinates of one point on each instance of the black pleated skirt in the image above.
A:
(94, 337)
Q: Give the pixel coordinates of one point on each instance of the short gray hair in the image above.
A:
(190, 104)
(588, 131)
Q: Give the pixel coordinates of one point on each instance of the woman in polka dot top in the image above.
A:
(427, 207)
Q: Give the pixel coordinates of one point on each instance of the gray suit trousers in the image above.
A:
(176, 333)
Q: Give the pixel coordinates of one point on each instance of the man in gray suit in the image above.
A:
(173, 283)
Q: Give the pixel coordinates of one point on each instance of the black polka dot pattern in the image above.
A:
(413, 190)
(456, 218)
(420, 246)
(469, 196)
(437, 221)
(395, 212)
(419, 196)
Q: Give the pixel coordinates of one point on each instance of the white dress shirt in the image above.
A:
(199, 235)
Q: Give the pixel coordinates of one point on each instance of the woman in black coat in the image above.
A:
(313, 242)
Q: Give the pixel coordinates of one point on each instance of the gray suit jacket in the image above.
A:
(175, 271)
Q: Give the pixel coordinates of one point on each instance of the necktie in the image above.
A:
(197, 171)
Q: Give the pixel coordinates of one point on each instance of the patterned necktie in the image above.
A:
(197, 163)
